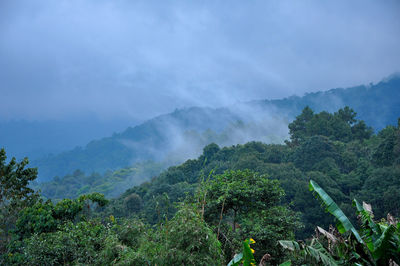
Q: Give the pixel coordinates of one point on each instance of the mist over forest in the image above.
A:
(199, 133)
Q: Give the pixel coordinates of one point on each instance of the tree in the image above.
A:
(341, 126)
(312, 151)
(133, 203)
(45, 217)
(297, 129)
(15, 193)
(243, 203)
(240, 192)
(188, 240)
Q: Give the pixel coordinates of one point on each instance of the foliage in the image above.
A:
(110, 183)
(45, 217)
(71, 243)
(341, 126)
(377, 104)
(241, 192)
(344, 224)
(314, 251)
(246, 257)
(241, 203)
(347, 168)
(243, 196)
(188, 240)
(376, 244)
(15, 194)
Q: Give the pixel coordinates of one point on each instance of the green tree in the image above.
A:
(243, 203)
(188, 240)
(133, 203)
(341, 126)
(45, 217)
(298, 128)
(15, 193)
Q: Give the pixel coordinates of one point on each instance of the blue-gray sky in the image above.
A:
(66, 58)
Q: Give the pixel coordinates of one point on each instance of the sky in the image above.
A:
(137, 59)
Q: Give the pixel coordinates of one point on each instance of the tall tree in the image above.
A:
(15, 193)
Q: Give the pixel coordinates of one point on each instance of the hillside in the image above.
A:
(173, 138)
(181, 134)
(377, 104)
(338, 152)
(227, 194)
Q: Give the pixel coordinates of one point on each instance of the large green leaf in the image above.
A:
(371, 230)
(237, 260)
(315, 251)
(246, 257)
(344, 224)
(385, 244)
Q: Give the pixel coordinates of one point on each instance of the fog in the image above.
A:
(134, 60)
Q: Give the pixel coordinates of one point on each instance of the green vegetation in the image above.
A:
(200, 212)
(182, 134)
(15, 195)
(111, 183)
(336, 150)
(377, 243)
(243, 203)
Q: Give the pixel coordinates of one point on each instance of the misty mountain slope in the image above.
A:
(173, 137)
(378, 105)
(182, 134)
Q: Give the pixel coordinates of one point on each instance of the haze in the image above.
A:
(136, 59)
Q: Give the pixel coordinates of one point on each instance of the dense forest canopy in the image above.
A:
(225, 195)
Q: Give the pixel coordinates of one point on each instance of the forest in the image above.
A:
(172, 138)
(328, 195)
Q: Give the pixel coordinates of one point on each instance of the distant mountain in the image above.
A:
(172, 137)
(377, 104)
(182, 133)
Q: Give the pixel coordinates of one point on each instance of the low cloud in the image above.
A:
(137, 59)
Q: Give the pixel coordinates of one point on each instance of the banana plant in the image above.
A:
(315, 251)
(382, 239)
(343, 224)
(377, 244)
(246, 257)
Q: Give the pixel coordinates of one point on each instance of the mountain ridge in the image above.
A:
(265, 120)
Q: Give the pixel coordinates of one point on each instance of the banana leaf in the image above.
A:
(344, 224)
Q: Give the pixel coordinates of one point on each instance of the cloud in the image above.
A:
(141, 58)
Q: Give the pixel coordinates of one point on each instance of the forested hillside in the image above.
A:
(169, 138)
(199, 212)
(180, 135)
(338, 151)
(377, 104)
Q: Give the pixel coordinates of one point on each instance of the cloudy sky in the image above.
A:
(137, 59)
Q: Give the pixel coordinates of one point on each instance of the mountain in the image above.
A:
(173, 137)
(377, 104)
(344, 157)
(182, 134)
